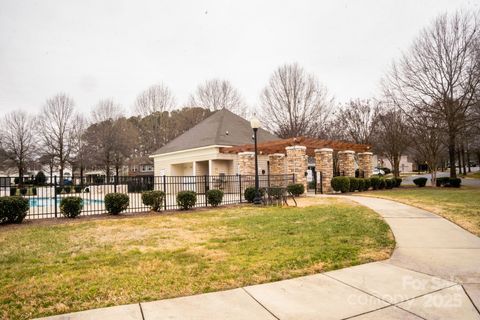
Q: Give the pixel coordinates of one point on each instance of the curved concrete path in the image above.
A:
(434, 273)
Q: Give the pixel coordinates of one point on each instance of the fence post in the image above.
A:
(240, 187)
(165, 190)
(205, 177)
(293, 177)
(115, 181)
(55, 194)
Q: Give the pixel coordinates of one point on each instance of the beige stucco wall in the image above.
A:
(168, 164)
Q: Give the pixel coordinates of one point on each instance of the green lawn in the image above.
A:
(461, 206)
(51, 268)
(474, 175)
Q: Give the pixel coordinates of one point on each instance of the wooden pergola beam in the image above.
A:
(278, 146)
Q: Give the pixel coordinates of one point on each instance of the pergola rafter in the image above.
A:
(278, 146)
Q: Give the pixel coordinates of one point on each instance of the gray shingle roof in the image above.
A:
(221, 128)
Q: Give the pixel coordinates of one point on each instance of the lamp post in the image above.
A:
(255, 123)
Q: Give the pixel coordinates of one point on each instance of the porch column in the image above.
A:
(365, 160)
(297, 163)
(346, 163)
(277, 167)
(324, 164)
(246, 163)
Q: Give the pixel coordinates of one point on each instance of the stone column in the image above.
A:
(346, 163)
(246, 163)
(297, 163)
(277, 167)
(365, 160)
(324, 164)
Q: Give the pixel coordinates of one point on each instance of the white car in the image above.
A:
(378, 172)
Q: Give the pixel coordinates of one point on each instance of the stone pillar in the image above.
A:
(277, 167)
(246, 163)
(365, 163)
(324, 164)
(346, 163)
(297, 163)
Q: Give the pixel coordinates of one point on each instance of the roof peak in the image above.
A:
(223, 127)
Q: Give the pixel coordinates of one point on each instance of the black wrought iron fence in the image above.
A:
(45, 199)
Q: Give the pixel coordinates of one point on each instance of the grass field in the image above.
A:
(51, 268)
(474, 175)
(461, 206)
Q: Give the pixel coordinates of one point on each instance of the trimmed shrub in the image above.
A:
(214, 197)
(67, 189)
(275, 192)
(455, 182)
(186, 199)
(23, 191)
(33, 191)
(442, 181)
(40, 178)
(381, 184)
(375, 182)
(353, 184)
(58, 190)
(13, 209)
(361, 184)
(420, 182)
(13, 191)
(86, 190)
(77, 189)
(296, 189)
(116, 202)
(153, 199)
(398, 182)
(249, 193)
(16, 180)
(367, 183)
(341, 184)
(389, 183)
(448, 182)
(71, 206)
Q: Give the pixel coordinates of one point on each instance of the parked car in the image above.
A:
(377, 171)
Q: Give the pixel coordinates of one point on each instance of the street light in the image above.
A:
(255, 124)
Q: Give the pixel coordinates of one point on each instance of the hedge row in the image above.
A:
(351, 184)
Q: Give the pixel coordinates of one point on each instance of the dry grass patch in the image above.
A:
(52, 268)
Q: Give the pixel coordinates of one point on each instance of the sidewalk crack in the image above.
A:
(251, 296)
(141, 311)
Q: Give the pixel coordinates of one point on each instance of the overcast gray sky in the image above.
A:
(115, 49)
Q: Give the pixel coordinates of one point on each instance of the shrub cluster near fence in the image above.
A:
(350, 184)
(45, 200)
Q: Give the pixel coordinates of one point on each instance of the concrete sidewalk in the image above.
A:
(434, 273)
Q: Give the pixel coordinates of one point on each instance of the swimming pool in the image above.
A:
(48, 202)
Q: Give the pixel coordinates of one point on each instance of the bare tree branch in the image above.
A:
(294, 103)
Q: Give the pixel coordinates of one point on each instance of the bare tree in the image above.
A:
(294, 103)
(106, 109)
(79, 157)
(427, 141)
(17, 139)
(358, 119)
(441, 73)
(55, 125)
(101, 136)
(157, 98)
(217, 94)
(392, 136)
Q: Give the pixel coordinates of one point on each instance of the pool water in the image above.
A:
(47, 202)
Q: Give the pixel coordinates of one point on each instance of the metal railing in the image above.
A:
(45, 199)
